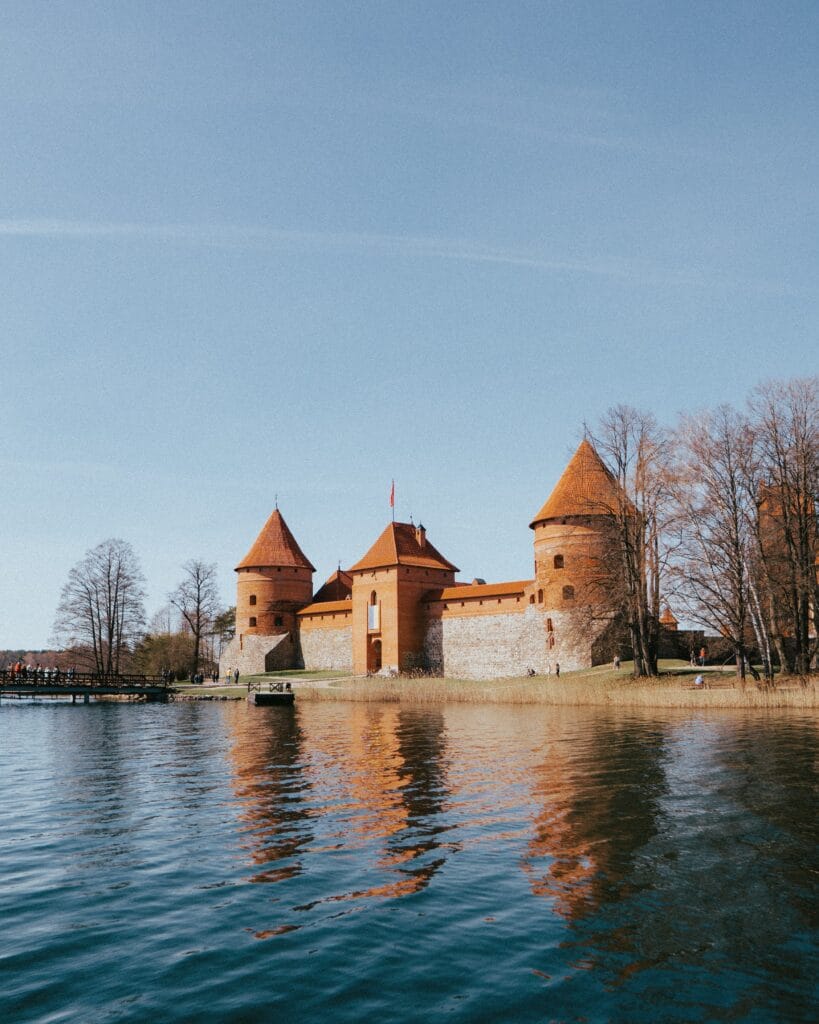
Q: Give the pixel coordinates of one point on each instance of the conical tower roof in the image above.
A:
(667, 618)
(403, 544)
(586, 488)
(275, 546)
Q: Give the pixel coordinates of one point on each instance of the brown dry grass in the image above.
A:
(593, 687)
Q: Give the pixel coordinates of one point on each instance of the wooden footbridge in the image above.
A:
(83, 684)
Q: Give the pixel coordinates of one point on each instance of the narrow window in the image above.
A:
(373, 618)
(252, 620)
(549, 626)
(540, 597)
(253, 599)
(532, 599)
(568, 593)
(558, 561)
(278, 621)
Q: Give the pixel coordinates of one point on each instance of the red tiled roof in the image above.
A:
(466, 593)
(335, 588)
(667, 618)
(326, 607)
(275, 546)
(586, 488)
(399, 544)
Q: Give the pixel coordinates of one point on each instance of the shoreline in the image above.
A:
(592, 688)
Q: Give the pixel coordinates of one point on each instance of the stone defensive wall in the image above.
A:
(253, 653)
(326, 634)
(482, 631)
(487, 643)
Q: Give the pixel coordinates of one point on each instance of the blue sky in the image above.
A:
(252, 249)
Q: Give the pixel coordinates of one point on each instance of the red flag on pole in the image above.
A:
(392, 495)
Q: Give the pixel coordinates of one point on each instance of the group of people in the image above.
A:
(167, 675)
(39, 673)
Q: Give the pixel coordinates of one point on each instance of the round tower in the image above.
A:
(274, 580)
(572, 532)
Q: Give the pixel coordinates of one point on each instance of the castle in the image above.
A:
(400, 608)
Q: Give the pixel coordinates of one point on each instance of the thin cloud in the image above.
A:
(461, 250)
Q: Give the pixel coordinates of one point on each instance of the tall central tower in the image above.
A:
(389, 584)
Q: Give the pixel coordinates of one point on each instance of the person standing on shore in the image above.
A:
(557, 669)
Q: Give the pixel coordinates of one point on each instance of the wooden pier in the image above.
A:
(85, 685)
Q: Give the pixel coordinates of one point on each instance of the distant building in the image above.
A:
(400, 607)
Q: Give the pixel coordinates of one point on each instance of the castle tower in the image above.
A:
(389, 584)
(274, 580)
(572, 542)
(668, 620)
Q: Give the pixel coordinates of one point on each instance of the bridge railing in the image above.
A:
(68, 677)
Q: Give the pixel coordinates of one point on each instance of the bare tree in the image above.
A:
(197, 600)
(714, 514)
(786, 422)
(102, 606)
(224, 629)
(636, 452)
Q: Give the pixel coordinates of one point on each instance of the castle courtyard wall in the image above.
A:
(330, 647)
(484, 646)
(255, 653)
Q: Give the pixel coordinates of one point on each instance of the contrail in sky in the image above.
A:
(463, 250)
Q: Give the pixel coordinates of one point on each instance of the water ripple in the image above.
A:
(351, 862)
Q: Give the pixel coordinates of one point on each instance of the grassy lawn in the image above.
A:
(296, 675)
(239, 691)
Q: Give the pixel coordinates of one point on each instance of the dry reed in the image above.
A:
(593, 688)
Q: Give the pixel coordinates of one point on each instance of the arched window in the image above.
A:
(558, 561)
(373, 598)
(532, 599)
(540, 597)
(252, 620)
(549, 626)
(568, 593)
(252, 599)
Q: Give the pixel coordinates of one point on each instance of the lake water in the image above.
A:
(348, 863)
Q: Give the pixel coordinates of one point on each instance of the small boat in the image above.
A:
(276, 694)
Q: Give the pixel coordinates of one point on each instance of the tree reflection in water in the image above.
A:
(601, 803)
